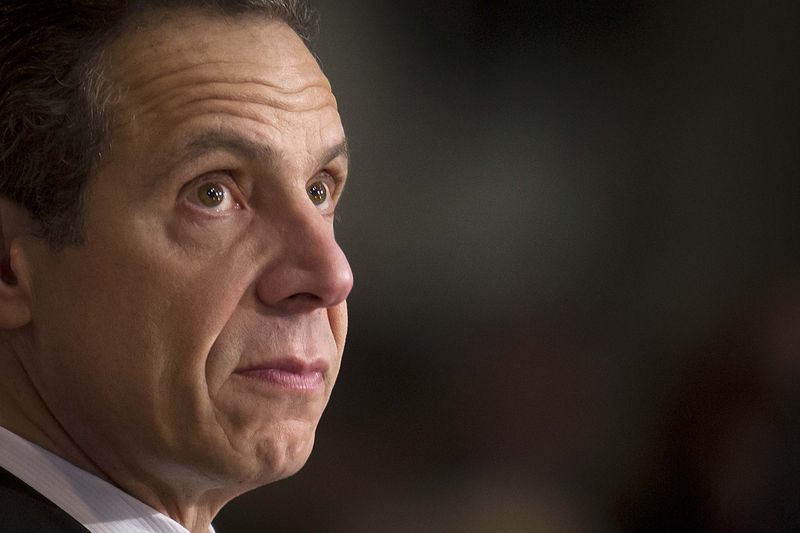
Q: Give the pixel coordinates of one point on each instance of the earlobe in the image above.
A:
(15, 308)
(6, 272)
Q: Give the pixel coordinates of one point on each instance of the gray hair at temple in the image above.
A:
(55, 99)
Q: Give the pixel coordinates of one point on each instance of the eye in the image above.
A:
(318, 192)
(213, 196)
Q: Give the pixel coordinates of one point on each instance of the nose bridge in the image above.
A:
(309, 268)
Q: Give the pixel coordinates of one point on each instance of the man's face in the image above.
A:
(194, 339)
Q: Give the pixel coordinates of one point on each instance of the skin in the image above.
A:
(123, 354)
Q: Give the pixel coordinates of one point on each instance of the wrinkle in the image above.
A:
(311, 98)
(235, 73)
(198, 116)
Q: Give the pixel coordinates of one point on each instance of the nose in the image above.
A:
(309, 271)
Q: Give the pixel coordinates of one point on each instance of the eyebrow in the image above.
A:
(212, 141)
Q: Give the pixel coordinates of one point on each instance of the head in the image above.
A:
(172, 289)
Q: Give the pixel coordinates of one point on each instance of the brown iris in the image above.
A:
(318, 193)
(211, 194)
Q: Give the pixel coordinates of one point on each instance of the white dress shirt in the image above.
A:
(98, 505)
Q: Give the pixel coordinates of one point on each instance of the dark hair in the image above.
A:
(53, 94)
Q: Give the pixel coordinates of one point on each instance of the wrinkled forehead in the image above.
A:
(161, 43)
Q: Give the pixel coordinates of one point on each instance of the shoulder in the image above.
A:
(24, 510)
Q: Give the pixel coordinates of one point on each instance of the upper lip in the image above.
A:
(293, 365)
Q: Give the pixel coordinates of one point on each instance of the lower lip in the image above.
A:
(287, 380)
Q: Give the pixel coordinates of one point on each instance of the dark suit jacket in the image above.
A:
(23, 510)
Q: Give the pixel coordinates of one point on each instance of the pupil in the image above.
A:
(317, 193)
(212, 195)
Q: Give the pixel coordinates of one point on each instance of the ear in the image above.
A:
(15, 301)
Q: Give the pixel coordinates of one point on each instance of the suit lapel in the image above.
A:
(23, 510)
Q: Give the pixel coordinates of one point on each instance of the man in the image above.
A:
(172, 298)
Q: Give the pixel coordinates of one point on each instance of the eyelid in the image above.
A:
(221, 177)
(333, 185)
(338, 181)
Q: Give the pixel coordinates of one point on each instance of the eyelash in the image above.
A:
(221, 177)
(334, 183)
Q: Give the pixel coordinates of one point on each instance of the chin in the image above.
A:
(285, 453)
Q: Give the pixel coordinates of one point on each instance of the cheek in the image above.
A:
(337, 317)
(143, 319)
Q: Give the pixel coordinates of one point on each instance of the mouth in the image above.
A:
(289, 374)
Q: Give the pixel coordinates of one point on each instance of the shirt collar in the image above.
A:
(98, 505)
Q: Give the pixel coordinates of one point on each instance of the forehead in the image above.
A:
(174, 39)
(178, 72)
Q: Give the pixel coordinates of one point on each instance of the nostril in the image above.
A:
(305, 297)
(311, 272)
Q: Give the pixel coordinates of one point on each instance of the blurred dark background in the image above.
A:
(574, 231)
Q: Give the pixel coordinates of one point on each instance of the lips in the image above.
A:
(292, 374)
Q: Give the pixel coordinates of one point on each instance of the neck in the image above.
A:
(25, 412)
